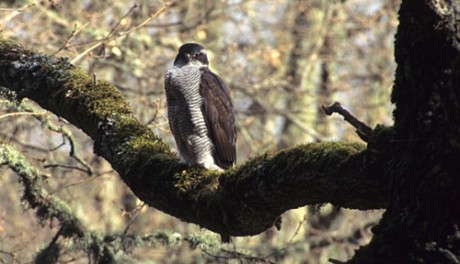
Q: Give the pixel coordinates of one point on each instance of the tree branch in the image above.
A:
(242, 201)
(99, 247)
(362, 129)
(36, 196)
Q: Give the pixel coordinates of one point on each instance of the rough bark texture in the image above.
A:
(421, 224)
(242, 201)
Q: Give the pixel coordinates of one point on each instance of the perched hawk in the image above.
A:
(200, 111)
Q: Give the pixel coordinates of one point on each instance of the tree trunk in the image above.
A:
(421, 224)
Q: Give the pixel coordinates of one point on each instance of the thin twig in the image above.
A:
(158, 106)
(301, 223)
(133, 215)
(334, 261)
(65, 167)
(85, 181)
(121, 19)
(112, 37)
(22, 114)
(362, 129)
(74, 33)
(14, 12)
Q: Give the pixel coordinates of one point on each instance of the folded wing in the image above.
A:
(219, 114)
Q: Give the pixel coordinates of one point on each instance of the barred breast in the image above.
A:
(185, 116)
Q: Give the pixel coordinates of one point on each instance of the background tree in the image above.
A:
(266, 118)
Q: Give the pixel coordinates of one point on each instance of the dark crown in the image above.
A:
(190, 48)
(188, 52)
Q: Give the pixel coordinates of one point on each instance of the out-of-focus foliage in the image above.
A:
(281, 59)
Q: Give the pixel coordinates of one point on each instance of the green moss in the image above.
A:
(196, 180)
(105, 100)
(319, 155)
(6, 42)
(246, 170)
(142, 137)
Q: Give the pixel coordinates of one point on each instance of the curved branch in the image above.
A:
(242, 201)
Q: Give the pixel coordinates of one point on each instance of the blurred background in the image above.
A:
(282, 60)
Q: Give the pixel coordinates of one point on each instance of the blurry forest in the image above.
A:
(282, 60)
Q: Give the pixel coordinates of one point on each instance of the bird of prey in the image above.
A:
(200, 111)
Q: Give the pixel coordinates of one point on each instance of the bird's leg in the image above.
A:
(207, 161)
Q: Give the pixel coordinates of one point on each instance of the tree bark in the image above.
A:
(421, 224)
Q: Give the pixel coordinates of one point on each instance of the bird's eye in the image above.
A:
(201, 57)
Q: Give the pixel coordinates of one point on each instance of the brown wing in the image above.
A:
(219, 114)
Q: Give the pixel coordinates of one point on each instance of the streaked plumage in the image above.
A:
(200, 111)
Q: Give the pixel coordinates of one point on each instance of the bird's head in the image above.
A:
(191, 54)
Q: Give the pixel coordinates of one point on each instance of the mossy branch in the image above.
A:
(98, 247)
(48, 207)
(245, 200)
